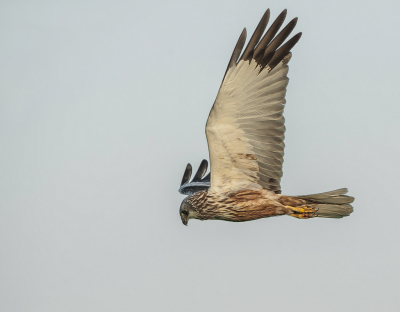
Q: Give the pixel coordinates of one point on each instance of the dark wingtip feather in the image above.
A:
(270, 34)
(207, 178)
(201, 171)
(266, 52)
(266, 59)
(238, 48)
(248, 52)
(281, 37)
(284, 50)
(198, 183)
(187, 174)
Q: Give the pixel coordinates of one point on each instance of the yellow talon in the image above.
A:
(300, 216)
(301, 209)
(302, 212)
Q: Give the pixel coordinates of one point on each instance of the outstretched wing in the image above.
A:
(198, 183)
(245, 128)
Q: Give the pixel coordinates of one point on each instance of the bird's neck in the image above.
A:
(198, 200)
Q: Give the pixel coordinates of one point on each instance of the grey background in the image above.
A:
(103, 103)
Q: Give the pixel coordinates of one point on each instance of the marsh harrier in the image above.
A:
(245, 131)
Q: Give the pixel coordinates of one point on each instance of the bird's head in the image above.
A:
(187, 211)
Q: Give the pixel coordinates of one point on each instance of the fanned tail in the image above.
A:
(333, 204)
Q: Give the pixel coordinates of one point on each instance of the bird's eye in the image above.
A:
(185, 212)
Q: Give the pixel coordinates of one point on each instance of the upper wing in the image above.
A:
(198, 183)
(245, 128)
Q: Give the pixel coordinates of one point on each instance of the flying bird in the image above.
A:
(245, 132)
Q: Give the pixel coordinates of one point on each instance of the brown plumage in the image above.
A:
(247, 205)
(245, 131)
(243, 205)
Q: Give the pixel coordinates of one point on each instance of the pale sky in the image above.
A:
(102, 105)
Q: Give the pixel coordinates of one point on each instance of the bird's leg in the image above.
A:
(302, 212)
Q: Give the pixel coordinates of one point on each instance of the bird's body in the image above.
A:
(245, 133)
(240, 206)
(247, 205)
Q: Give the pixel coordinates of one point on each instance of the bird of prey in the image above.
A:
(245, 132)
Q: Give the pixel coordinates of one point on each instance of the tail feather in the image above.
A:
(333, 211)
(333, 204)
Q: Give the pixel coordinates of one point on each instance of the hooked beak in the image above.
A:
(185, 222)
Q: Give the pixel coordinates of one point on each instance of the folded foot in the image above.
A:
(302, 212)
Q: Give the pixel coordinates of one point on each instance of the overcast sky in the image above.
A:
(102, 105)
